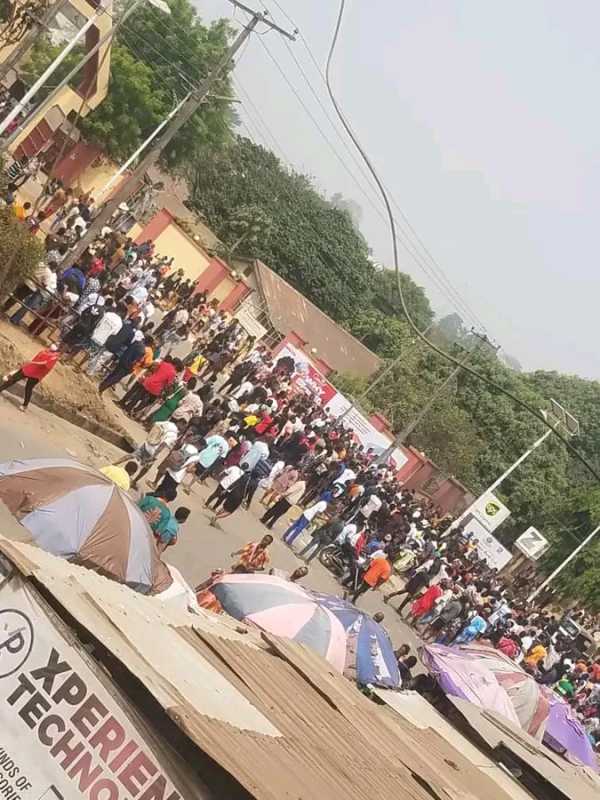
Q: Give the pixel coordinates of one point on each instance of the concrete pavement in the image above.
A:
(201, 546)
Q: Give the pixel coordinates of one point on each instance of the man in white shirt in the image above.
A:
(244, 389)
(258, 452)
(371, 506)
(181, 317)
(348, 535)
(110, 324)
(303, 521)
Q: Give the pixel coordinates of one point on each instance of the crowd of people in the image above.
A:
(218, 405)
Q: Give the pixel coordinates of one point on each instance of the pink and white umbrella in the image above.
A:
(284, 609)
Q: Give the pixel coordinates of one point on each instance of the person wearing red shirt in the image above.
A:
(158, 378)
(32, 372)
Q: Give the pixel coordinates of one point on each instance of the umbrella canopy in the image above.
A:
(73, 511)
(488, 678)
(346, 637)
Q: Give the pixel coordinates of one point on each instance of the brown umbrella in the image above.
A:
(73, 511)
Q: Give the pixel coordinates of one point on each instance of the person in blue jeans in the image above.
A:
(303, 521)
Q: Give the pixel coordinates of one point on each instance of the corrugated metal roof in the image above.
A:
(575, 782)
(271, 712)
(290, 311)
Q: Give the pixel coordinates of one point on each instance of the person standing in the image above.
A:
(152, 386)
(288, 499)
(378, 572)
(32, 372)
(127, 361)
(303, 521)
(321, 538)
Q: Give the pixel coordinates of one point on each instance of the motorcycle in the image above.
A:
(335, 559)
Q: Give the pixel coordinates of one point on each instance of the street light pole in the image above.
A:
(410, 426)
(49, 101)
(110, 183)
(562, 417)
(33, 90)
(560, 568)
(187, 110)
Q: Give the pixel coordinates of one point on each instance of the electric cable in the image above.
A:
(424, 260)
(237, 83)
(488, 381)
(439, 277)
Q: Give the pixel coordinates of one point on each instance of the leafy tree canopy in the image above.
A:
(153, 62)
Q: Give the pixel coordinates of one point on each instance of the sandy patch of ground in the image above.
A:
(64, 385)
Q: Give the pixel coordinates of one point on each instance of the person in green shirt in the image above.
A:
(156, 511)
(164, 524)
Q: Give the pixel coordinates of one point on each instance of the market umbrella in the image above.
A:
(346, 637)
(74, 511)
(490, 679)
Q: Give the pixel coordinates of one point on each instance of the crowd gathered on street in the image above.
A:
(219, 407)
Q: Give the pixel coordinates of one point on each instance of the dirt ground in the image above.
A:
(65, 385)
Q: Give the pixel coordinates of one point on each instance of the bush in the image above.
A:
(20, 252)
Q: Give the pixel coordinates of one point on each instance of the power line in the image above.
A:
(434, 270)
(488, 381)
(270, 134)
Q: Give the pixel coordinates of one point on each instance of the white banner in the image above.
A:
(365, 431)
(532, 543)
(488, 547)
(62, 735)
(489, 511)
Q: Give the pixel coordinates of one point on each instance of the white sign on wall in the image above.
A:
(489, 511)
(63, 736)
(532, 543)
(488, 547)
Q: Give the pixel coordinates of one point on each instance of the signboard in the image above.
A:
(307, 378)
(532, 543)
(489, 511)
(488, 547)
(365, 431)
(63, 736)
(248, 321)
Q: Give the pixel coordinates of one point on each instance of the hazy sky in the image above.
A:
(483, 120)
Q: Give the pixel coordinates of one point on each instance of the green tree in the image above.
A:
(150, 63)
(20, 252)
(247, 227)
(133, 107)
(312, 244)
(386, 297)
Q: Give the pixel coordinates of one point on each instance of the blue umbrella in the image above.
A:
(369, 651)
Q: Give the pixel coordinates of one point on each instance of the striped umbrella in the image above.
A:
(490, 679)
(346, 637)
(73, 511)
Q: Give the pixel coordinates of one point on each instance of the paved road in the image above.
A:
(201, 546)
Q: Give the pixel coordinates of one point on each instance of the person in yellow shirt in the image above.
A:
(120, 476)
(22, 211)
(537, 653)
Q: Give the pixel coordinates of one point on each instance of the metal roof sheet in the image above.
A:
(270, 712)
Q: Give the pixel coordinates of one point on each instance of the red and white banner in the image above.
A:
(309, 380)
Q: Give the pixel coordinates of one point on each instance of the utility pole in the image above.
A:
(410, 427)
(357, 401)
(187, 110)
(559, 416)
(560, 567)
(38, 25)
